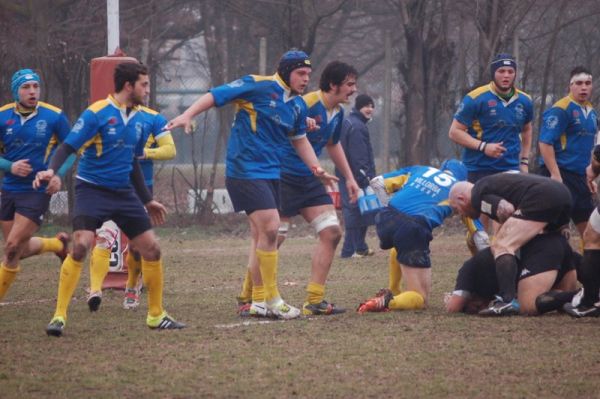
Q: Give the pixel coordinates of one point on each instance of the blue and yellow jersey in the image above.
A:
(267, 116)
(420, 191)
(570, 128)
(33, 137)
(109, 139)
(330, 128)
(492, 119)
(153, 131)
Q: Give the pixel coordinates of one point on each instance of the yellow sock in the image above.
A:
(395, 272)
(246, 294)
(315, 293)
(134, 268)
(50, 244)
(99, 263)
(7, 276)
(267, 261)
(152, 272)
(69, 278)
(258, 293)
(408, 300)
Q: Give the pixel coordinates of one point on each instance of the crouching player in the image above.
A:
(405, 226)
(546, 279)
(110, 131)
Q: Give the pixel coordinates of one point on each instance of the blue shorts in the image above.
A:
(583, 202)
(410, 235)
(31, 205)
(474, 175)
(299, 192)
(251, 195)
(96, 204)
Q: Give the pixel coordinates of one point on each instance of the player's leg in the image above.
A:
(323, 219)
(106, 236)
(530, 288)
(418, 287)
(133, 285)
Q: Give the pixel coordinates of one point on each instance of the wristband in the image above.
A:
(481, 146)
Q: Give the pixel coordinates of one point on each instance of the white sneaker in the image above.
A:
(132, 299)
(258, 309)
(282, 310)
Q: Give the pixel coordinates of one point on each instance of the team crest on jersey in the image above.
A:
(112, 121)
(236, 83)
(40, 127)
(575, 113)
(492, 103)
(274, 96)
(10, 122)
(461, 107)
(78, 125)
(520, 111)
(552, 122)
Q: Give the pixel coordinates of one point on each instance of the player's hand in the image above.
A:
(182, 120)
(325, 177)
(54, 185)
(494, 150)
(352, 188)
(21, 168)
(42, 176)
(311, 125)
(590, 178)
(157, 212)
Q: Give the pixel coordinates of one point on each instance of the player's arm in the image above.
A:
(21, 168)
(459, 134)
(336, 153)
(549, 156)
(184, 120)
(307, 154)
(156, 210)
(61, 154)
(165, 149)
(496, 207)
(526, 139)
(593, 169)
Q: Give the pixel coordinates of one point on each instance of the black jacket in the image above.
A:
(357, 147)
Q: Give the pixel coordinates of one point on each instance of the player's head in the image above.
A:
(456, 167)
(503, 69)
(580, 84)
(339, 78)
(25, 87)
(294, 69)
(459, 199)
(133, 78)
(365, 105)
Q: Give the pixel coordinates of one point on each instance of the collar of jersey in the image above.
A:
(510, 100)
(31, 115)
(120, 106)
(287, 92)
(330, 112)
(586, 104)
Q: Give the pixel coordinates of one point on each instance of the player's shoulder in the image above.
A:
(479, 92)
(148, 110)
(99, 105)
(49, 107)
(563, 103)
(526, 96)
(8, 107)
(311, 99)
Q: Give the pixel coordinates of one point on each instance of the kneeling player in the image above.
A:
(546, 281)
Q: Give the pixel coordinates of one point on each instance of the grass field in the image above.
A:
(398, 354)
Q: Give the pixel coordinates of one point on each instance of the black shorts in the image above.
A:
(95, 204)
(31, 205)
(251, 195)
(410, 235)
(546, 252)
(583, 201)
(299, 192)
(549, 203)
(478, 275)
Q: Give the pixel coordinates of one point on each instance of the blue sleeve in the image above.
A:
(240, 88)
(529, 117)
(301, 113)
(158, 123)
(335, 137)
(67, 165)
(63, 127)
(553, 125)
(139, 147)
(84, 129)
(467, 111)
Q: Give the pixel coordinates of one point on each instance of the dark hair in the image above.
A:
(334, 74)
(128, 72)
(579, 69)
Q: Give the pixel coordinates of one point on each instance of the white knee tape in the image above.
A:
(107, 234)
(284, 227)
(324, 220)
(595, 221)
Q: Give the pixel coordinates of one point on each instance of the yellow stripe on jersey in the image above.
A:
(53, 141)
(311, 98)
(249, 108)
(97, 141)
(477, 127)
(563, 141)
(50, 107)
(149, 110)
(479, 91)
(150, 142)
(469, 224)
(444, 203)
(99, 105)
(393, 184)
(7, 106)
(523, 93)
(563, 103)
(260, 78)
